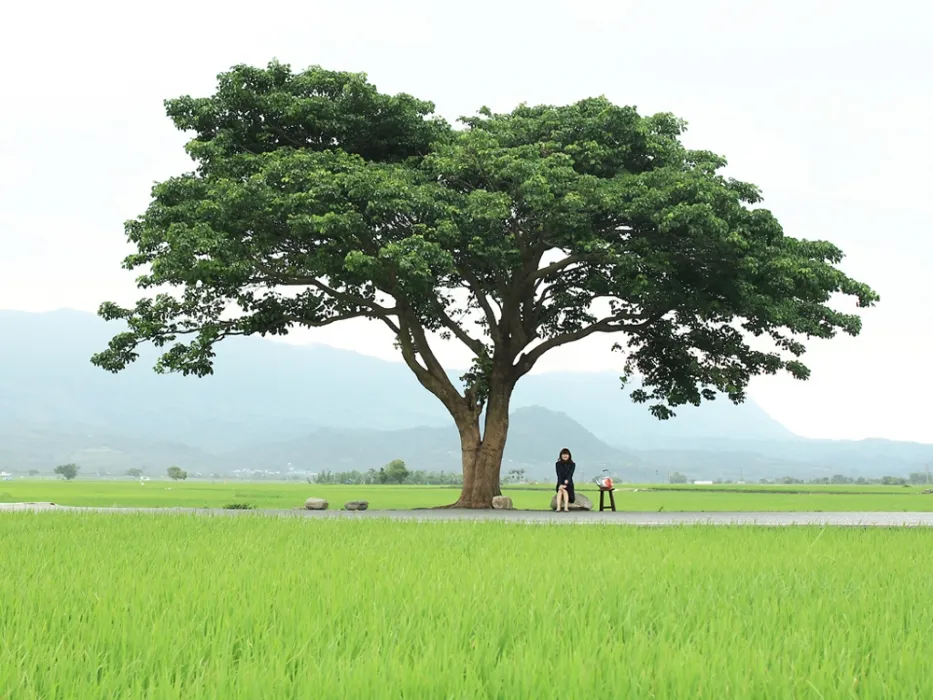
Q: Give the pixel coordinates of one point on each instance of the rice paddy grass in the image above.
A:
(271, 495)
(139, 606)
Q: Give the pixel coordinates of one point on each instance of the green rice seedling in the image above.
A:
(138, 606)
(287, 496)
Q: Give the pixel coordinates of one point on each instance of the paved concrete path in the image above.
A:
(860, 519)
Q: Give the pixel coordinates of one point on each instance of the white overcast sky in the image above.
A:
(825, 104)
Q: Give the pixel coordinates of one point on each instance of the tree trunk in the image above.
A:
(482, 456)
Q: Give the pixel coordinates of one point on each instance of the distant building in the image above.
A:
(703, 483)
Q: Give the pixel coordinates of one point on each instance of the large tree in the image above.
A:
(317, 199)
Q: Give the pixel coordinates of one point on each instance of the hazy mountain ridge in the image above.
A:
(429, 448)
(319, 407)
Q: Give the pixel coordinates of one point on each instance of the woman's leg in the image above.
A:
(561, 496)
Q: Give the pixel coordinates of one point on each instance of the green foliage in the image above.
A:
(134, 473)
(318, 199)
(68, 471)
(286, 496)
(395, 472)
(230, 608)
(378, 476)
(239, 506)
(33, 472)
(677, 478)
(176, 473)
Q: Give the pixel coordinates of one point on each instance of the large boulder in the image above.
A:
(316, 504)
(502, 503)
(581, 502)
(356, 505)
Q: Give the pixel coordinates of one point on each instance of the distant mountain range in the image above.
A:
(269, 405)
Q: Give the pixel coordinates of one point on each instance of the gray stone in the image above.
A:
(580, 503)
(502, 503)
(356, 505)
(316, 504)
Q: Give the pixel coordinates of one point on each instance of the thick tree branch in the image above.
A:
(614, 324)
(383, 313)
(235, 327)
(378, 311)
(518, 304)
(433, 377)
(413, 329)
(477, 290)
(542, 297)
(559, 265)
(410, 334)
(412, 338)
(328, 321)
(475, 345)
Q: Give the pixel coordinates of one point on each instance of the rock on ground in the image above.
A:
(581, 503)
(502, 503)
(316, 504)
(356, 505)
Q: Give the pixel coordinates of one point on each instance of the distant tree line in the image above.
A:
(395, 472)
(514, 476)
(915, 479)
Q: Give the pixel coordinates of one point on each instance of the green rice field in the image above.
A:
(204, 494)
(140, 606)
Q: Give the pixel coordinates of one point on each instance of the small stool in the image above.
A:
(602, 496)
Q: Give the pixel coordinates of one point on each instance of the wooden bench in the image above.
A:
(602, 498)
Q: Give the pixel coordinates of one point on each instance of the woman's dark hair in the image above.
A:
(563, 452)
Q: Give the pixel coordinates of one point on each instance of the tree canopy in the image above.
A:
(176, 473)
(317, 199)
(67, 471)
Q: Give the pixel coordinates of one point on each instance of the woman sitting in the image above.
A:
(565, 468)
